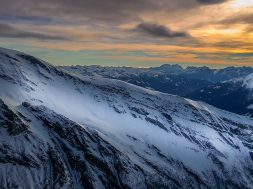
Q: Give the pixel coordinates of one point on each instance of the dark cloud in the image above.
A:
(9, 31)
(8, 18)
(109, 10)
(100, 10)
(158, 30)
(209, 2)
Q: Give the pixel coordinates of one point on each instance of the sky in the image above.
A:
(138, 33)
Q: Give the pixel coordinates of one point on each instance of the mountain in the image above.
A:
(172, 79)
(222, 88)
(62, 130)
(234, 95)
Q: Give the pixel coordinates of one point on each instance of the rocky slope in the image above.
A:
(61, 130)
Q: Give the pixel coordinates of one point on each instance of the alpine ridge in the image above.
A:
(63, 130)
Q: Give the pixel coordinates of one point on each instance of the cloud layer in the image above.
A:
(113, 10)
(194, 30)
(9, 31)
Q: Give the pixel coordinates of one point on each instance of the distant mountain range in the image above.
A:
(65, 129)
(232, 95)
(223, 88)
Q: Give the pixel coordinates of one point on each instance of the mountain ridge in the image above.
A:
(64, 131)
(197, 83)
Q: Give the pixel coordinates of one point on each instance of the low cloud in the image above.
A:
(157, 30)
(9, 31)
(209, 2)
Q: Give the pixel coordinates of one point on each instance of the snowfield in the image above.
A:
(63, 130)
(248, 81)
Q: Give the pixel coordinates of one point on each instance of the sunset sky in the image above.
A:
(140, 33)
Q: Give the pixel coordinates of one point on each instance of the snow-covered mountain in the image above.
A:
(248, 81)
(223, 88)
(235, 95)
(62, 130)
(172, 79)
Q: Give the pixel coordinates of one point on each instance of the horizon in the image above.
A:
(182, 65)
(213, 33)
(169, 64)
